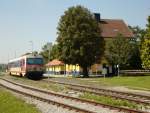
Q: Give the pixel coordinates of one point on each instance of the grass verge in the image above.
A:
(110, 101)
(11, 104)
(136, 82)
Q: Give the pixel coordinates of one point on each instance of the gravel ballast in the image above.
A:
(48, 109)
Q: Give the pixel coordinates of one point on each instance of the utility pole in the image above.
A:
(31, 42)
(15, 54)
(49, 48)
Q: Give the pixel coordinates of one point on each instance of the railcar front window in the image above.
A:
(34, 61)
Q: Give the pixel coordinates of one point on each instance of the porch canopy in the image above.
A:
(55, 62)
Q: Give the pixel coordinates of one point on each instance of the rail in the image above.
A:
(73, 98)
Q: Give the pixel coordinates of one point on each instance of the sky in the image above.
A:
(27, 23)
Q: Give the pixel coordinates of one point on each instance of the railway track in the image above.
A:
(140, 99)
(93, 107)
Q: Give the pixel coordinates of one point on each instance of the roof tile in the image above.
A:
(112, 27)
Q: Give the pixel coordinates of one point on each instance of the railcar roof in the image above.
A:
(24, 57)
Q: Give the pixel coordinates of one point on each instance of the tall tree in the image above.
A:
(118, 50)
(145, 49)
(79, 38)
(54, 53)
(147, 35)
(3, 67)
(135, 60)
(46, 50)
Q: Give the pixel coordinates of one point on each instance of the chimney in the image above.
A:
(97, 17)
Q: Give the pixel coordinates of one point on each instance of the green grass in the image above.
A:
(137, 82)
(11, 104)
(110, 101)
(1, 74)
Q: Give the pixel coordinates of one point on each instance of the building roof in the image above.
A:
(55, 62)
(112, 27)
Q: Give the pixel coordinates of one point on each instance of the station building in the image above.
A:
(57, 67)
(110, 28)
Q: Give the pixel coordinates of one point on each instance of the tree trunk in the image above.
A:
(85, 72)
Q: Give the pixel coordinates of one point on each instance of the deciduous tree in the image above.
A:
(79, 38)
(54, 54)
(118, 50)
(135, 60)
(145, 49)
(46, 50)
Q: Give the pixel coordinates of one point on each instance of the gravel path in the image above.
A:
(48, 109)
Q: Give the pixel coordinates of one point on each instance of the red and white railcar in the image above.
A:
(28, 65)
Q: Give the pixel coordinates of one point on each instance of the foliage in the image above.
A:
(79, 40)
(118, 50)
(135, 59)
(49, 54)
(3, 67)
(147, 35)
(138, 34)
(145, 49)
(145, 54)
(11, 104)
(46, 50)
(54, 52)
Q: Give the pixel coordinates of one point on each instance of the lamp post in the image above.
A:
(49, 47)
(118, 69)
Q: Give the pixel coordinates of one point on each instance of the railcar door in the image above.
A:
(23, 69)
